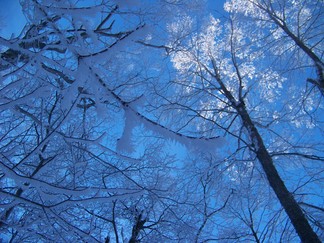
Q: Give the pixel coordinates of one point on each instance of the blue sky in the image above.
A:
(216, 6)
(12, 21)
(11, 18)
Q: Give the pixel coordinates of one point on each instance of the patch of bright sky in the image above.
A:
(216, 7)
(12, 20)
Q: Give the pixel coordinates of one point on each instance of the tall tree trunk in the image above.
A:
(293, 210)
(288, 202)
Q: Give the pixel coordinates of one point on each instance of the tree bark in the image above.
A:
(139, 225)
(293, 210)
(286, 199)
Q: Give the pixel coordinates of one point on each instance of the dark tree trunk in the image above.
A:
(139, 225)
(293, 210)
(288, 202)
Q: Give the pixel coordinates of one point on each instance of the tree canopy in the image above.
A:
(163, 121)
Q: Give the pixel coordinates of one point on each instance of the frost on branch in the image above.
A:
(247, 7)
(124, 144)
(133, 119)
(199, 47)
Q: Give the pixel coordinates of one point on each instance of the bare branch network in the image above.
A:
(172, 121)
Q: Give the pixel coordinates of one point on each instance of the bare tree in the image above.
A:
(90, 114)
(226, 82)
(61, 175)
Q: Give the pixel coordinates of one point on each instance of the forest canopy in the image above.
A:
(163, 121)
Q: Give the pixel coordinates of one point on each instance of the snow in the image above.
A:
(131, 120)
(134, 118)
(51, 193)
